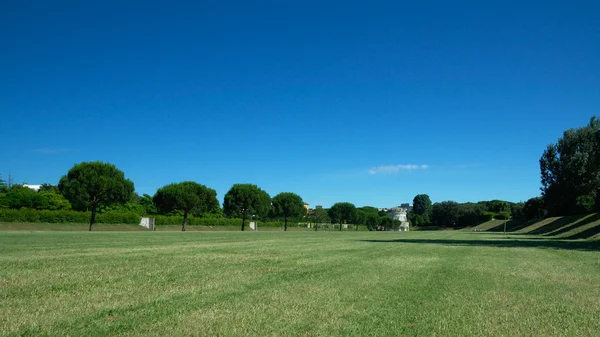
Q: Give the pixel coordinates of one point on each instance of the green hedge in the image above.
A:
(162, 220)
(45, 216)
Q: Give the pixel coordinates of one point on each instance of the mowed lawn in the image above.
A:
(297, 283)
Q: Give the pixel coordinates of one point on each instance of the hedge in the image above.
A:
(113, 217)
(162, 220)
(46, 216)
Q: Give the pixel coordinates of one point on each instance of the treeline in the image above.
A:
(458, 215)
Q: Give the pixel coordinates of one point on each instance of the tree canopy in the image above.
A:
(89, 185)
(288, 205)
(342, 212)
(188, 197)
(570, 170)
(244, 200)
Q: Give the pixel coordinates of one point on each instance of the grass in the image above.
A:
(297, 283)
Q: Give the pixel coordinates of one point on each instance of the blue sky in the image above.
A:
(368, 102)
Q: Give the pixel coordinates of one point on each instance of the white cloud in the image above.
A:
(392, 169)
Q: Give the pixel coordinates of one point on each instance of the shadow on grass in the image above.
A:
(511, 226)
(508, 243)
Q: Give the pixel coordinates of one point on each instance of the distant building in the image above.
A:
(306, 207)
(33, 187)
(318, 207)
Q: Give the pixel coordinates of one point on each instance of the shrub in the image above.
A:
(585, 204)
(502, 216)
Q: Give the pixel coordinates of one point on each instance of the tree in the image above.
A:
(386, 221)
(244, 200)
(571, 169)
(498, 206)
(342, 212)
(288, 205)
(534, 208)
(188, 197)
(422, 205)
(90, 185)
(372, 221)
(445, 213)
(319, 216)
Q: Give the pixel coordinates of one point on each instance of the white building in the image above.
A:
(33, 187)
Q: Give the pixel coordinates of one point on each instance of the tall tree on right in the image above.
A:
(342, 212)
(570, 169)
(246, 200)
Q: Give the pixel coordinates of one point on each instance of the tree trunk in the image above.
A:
(356, 228)
(93, 218)
(341, 225)
(185, 217)
(285, 226)
(243, 221)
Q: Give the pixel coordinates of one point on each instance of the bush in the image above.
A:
(46, 216)
(585, 204)
(487, 216)
(502, 216)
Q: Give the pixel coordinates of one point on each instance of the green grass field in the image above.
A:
(297, 283)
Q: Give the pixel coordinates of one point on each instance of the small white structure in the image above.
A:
(148, 223)
(253, 226)
(404, 227)
(33, 187)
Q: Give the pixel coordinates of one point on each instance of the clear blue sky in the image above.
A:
(370, 102)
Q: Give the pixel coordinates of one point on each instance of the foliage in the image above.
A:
(487, 216)
(585, 204)
(288, 205)
(188, 197)
(571, 168)
(445, 213)
(418, 219)
(498, 206)
(470, 215)
(502, 216)
(517, 211)
(90, 185)
(342, 212)
(386, 222)
(66, 216)
(319, 216)
(534, 208)
(422, 205)
(244, 200)
(372, 221)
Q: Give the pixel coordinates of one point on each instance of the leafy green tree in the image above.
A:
(319, 216)
(21, 197)
(571, 168)
(498, 206)
(244, 200)
(445, 213)
(90, 185)
(585, 204)
(288, 205)
(386, 221)
(517, 210)
(360, 218)
(534, 208)
(422, 205)
(188, 197)
(48, 188)
(342, 212)
(470, 214)
(50, 200)
(372, 221)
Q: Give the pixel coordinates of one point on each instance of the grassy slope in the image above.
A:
(567, 227)
(297, 283)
